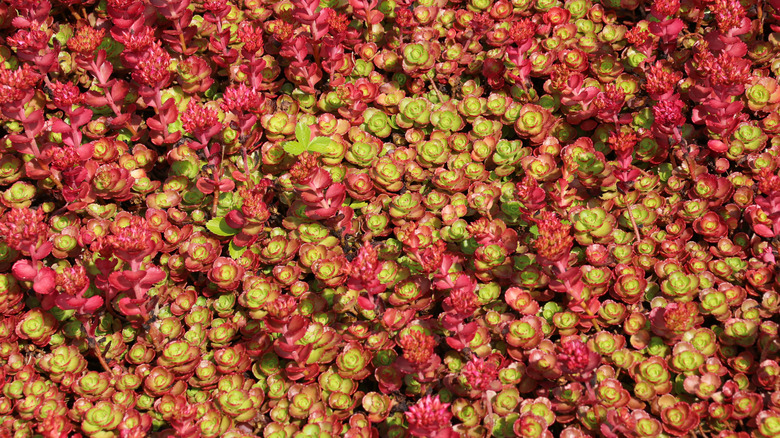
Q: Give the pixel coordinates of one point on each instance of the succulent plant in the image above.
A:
(383, 218)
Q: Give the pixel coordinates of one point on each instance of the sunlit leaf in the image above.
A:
(293, 148)
(236, 251)
(319, 145)
(219, 226)
(302, 134)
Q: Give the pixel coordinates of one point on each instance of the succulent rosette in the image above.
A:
(179, 357)
(103, 417)
(93, 386)
(532, 426)
(333, 272)
(238, 404)
(533, 122)
(525, 333)
(630, 287)
(593, 225)
(653, 376)
(679, 419)
(353, 362)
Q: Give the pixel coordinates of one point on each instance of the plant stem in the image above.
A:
(317, 57)
(489, 416)
(436, 89)
(182, 42)
(75, 13)
(593, 321)
(244, 155)
(631, 218)
(215, 202)
(96, 349)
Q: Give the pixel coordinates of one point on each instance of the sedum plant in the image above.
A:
(365, 218)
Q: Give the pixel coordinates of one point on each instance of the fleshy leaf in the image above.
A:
(219, 226)
(665, 171)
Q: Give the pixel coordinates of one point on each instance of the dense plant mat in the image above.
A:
(478, 218)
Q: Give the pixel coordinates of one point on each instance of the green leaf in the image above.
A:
(61, 314)
(236, 251)
(522, 261)
(293, 148)
(534, 230)
(414, 267)
(665, 171)
(392, 122)
(303, 134)
(469, 246)
(319, 145)
(219, 226)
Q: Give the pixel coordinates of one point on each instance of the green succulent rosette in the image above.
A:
(680, 287)
(377, 122)
(593, 225)
(179, 357)
(432, 153)
(532, 123)
(37, 326)
(466, 412)
(94, 386)
(101, 419)
(158, 382)
(62, 359)
(653, 372)
(506, 401)
(377, 405)
(525, 333)
(237, 404)
(446, 118)
(353, 362)
(414, 112)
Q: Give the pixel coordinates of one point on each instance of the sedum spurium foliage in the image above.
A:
(389, 218)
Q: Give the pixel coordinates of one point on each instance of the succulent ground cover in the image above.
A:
(384, 219)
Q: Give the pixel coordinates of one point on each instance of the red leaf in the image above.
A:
(44, 282)
(205, 185)
(23, 270)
